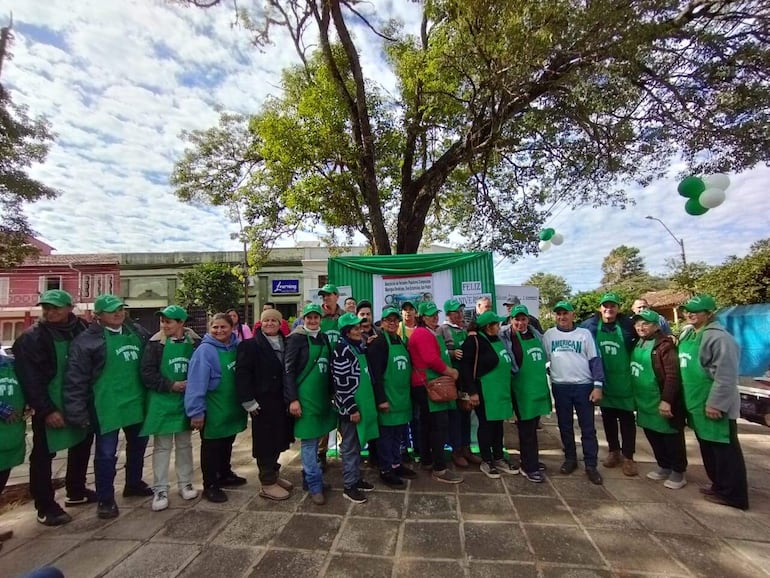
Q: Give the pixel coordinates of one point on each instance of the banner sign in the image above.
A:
(285, 286)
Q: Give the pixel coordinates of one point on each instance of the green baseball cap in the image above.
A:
(391, 311)
(108, 303)
(427, 308)
(519, 309)
(700, 303)
(488, 317)
(648, 315)
(452, 305)
(312, 308)
(174, 312)
(55, 297)
(610, 297)
(328, 289)
(348, 320)
(566, 305)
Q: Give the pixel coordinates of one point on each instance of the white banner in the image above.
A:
(393, 290)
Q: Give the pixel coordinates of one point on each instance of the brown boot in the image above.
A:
(613, 459)
(470, 456)
(629, 467)
(459, 460)
(274, 492)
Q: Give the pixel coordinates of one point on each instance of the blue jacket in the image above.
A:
(626, 328)
(204, 373)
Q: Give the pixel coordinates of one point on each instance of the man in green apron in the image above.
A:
(354, 399)
(614, 336)
(331, 313)
(708, 361)
(13, 427)
(103, 391)
(41, 357)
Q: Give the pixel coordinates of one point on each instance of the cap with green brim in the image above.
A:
(328, 289)
(610, 297)
(648, 315)
(348, 320)
(56, 298)
(108, 303)
(452, 305)
(173, 312)
(565, 305)
(388, 311)
(488, 317)
(427, 308)
(519, 310)
(312, 308)
(700, 303)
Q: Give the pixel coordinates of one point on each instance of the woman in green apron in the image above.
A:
(530, 389)
(485, 374)
(657, 388)
(708, 361)
(308, 392)
(13, 425)
(164, 374)
(211, 403)
(391, 369)
(354, 399)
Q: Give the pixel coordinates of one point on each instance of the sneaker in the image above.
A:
(447, 476)
(541, 466)
(406, 473)
(285, 484)
(318, 499)
(364, 486)
(506, 467)
(489, 469)
(160, 501)
(568, 467)
(354, 495)
(274, 492)
(629, 468)
(107, 510)
(594, 476)
(54, 517)
(676, 481)
(215, 495)
(659, 474)
(230, 479)
(188, 492)
(88, 497)
(392, 480)
(142, 490)
(535, 477)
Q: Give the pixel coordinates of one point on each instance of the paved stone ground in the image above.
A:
(483, 527)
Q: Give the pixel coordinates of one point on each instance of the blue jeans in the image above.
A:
(389, 446)
(568, 397)
(106, 457)
(312, 471)
(350, 451)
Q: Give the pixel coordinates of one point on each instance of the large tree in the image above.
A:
(503, 111)
(24, 141)
(622, 264)
(740, 281)
(212, 286)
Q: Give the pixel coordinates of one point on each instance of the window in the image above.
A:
(5, 288)
(10, 330)
(87, 285)
(48, 282)
(94, 285)
(323, 280)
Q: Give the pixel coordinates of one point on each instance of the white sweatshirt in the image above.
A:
(569, 353)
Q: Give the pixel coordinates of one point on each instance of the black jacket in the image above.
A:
(487, 361)
(297, 357)
(152, 357)
(626, 328)
(36, 360)
(87, 356)
(258, 371)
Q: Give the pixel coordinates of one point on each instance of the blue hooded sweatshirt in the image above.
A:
(204, 373)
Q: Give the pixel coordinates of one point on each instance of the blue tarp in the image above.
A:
(750, 325)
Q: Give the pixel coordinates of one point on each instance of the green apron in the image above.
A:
(318, 415)
(119, 392)
(364, 397)
(530, 384)
(430, 374)
(64, 437)
(646, 389)
(225, 416)
(12, 446)
(458, 338)
(397, 385)
(165, 409)
(496, 385)
(617, 392)
(330, 327)
(697, 384)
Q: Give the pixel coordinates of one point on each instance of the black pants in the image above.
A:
(528, 446)
(268, 468)
(215, 459)
(726, 469)
(611, 418)
(490, 434)
(4, 475)
(669, 450)
(40, 458)
(434, 430)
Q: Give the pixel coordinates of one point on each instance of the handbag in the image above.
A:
(464, 401)
(442, 389)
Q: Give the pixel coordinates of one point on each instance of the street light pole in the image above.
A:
(679, 242)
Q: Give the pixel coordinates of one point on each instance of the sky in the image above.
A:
(119, 82)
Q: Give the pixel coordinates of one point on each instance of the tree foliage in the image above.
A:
(503, 111)
(213, 286)
(553, 288)
(622, 264)
(740, 281)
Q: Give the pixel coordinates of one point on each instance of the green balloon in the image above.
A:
(546, 234)
(693, 207)
(691, 187)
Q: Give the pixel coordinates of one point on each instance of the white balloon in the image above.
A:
(544, 245)
(712, 197)
(717, 181)
(557, 239)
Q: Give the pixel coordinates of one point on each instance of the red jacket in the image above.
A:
(425, 353)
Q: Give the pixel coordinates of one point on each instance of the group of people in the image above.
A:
(382, 385)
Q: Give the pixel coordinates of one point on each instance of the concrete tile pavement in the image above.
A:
(483, 527)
